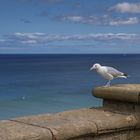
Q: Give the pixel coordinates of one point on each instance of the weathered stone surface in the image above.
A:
(65, 125)
(121, 135)
(84, 123)
(71, 124)
(136, 135)
(120, 106)
(18, 131)
(125, 93)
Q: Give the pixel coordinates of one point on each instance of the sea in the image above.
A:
(48, 83)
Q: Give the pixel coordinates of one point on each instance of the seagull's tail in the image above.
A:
(124, 75)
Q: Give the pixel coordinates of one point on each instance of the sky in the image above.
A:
(69, 26)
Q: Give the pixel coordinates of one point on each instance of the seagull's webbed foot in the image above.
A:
(107, 84)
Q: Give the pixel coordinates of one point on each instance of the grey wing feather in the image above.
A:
(114, 72)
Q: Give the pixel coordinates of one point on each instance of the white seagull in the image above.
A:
(109, 73)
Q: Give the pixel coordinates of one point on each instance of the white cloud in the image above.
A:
(74, 18)
(30, 38)
(43, 38)
(126, 7)
(104, 20)
(111, 36)
(29, 35)
(80, 19)
(129, 21)
(29, 42)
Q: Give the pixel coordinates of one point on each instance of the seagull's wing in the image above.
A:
(114, 72)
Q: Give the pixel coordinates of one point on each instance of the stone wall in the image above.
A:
(117, 119)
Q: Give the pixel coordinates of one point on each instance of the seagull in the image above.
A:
(109, 73)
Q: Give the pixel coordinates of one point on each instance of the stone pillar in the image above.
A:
(123, 98)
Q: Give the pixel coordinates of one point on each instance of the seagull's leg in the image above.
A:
(108, 84)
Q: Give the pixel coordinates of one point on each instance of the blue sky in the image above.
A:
(69, 26)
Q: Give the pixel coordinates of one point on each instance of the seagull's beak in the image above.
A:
(91, 68)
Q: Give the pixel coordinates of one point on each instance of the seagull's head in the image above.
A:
(95, 66)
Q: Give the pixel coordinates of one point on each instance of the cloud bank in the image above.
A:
(43, 38)
(104, 20)
(126, 7)
(129, 21)
(108, 17)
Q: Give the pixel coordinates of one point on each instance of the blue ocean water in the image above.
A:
(34, 84)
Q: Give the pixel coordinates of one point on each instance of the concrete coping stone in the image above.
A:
(12, 130)
(122, 92)
(68, 124)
